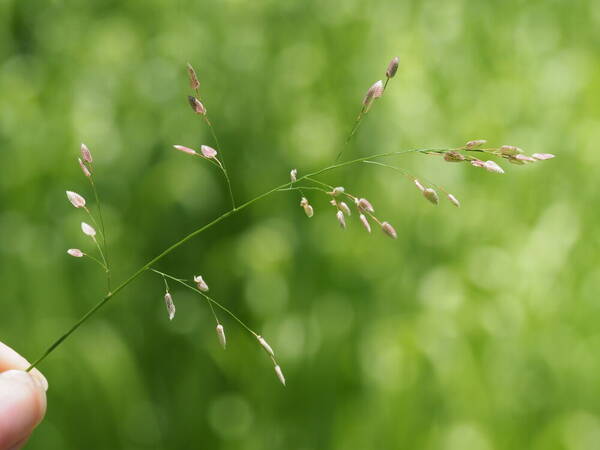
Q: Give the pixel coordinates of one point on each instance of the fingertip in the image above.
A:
(22, 406)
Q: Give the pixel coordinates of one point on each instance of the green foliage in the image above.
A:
(477, 329)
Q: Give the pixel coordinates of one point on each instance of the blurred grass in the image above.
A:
(476, 330)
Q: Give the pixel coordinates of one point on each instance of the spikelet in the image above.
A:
(265, 345)
(491, 166)
(88, 229)
(453, 156)
(75, 252)
(341, 219)
(543, 156)
(194, 83)
(202, 286)
(196, 105)
(365, 222)
(293, 174)
(475, 143)
(308, 209)
(454, 200)
(389, 230)
(221, 336)
(84, 168)
(184, 149)
(392, 67)
(279, 373)
(431, 195)
(76, 200)
(208, 152)
(344, 207)
(170, 305)
(86, 155)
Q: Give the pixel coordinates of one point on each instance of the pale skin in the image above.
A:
(22, 399)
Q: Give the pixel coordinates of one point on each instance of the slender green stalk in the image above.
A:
(196, 232)
(102, 229)
(221, 164)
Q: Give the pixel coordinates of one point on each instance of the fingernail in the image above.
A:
(40, 379)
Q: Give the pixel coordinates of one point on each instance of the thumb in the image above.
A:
(22, 407)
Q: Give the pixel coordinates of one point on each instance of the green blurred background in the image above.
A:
(477, 329)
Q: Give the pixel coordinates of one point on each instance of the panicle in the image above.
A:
(265, 345)
(76, 200)
(279, 374)
(344, 207)
(454, 200)
(196, 105)
(491, 166)
(75, 252)
(431, 195)
(208, 152)
(84, 168)
(364, 205)
(453, 156)
(88, 229)
(543, 156)
(202, 286)
(194, 83)
(86, 155)
(365, 222)
(392, 67)
(170, 305)
(293, 175)
(475, 143)
(308, 209)
(388, 229)
(221, 336)
(341, 219)
(183, 149)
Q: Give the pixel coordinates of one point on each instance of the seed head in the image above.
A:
(293, 174)
(86, 154)
(208, 152)
(279, 374)
(525, 158)
(194, 83)
(419, 185)
(454, 200)
(265, 345)
(183, 149)
(475, 143)
(76, 200)
(431, 195)
(202, 286)
(543, 156)
(491, 166)
(197, 105)
(389, 230)
(344, 207)
(308, 210)
(88, 229)
(84, 168)
(375, 91)
(392, 67)
(341, 219)
(364, 205)
(453, 156)
(365, 222)
(221, 336)
(510, 150)
(170, 305)
(75, 252)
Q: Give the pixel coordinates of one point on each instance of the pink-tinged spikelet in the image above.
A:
(364, 205)
(76, 200)
(293, 174)
(475, 143)
(208, 152)
(392, 67)
(375, 91)
(279, 373)
(477, 163)
(454, 200)
(431, 195)
(196, 105)
(86, 154)
(453, 156)
(221, 336)
(389, 230)
(194, 83)
(84, 168)
(183, 149)
(344, 207)
(75, 252)
(202, 286)
(419, 185)
(525, 158)
(308, 209)
(265, 345)
(88, 229)
(491, 166)
(170, 305)
(341, 219)
(543, 156)
(365, 222)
